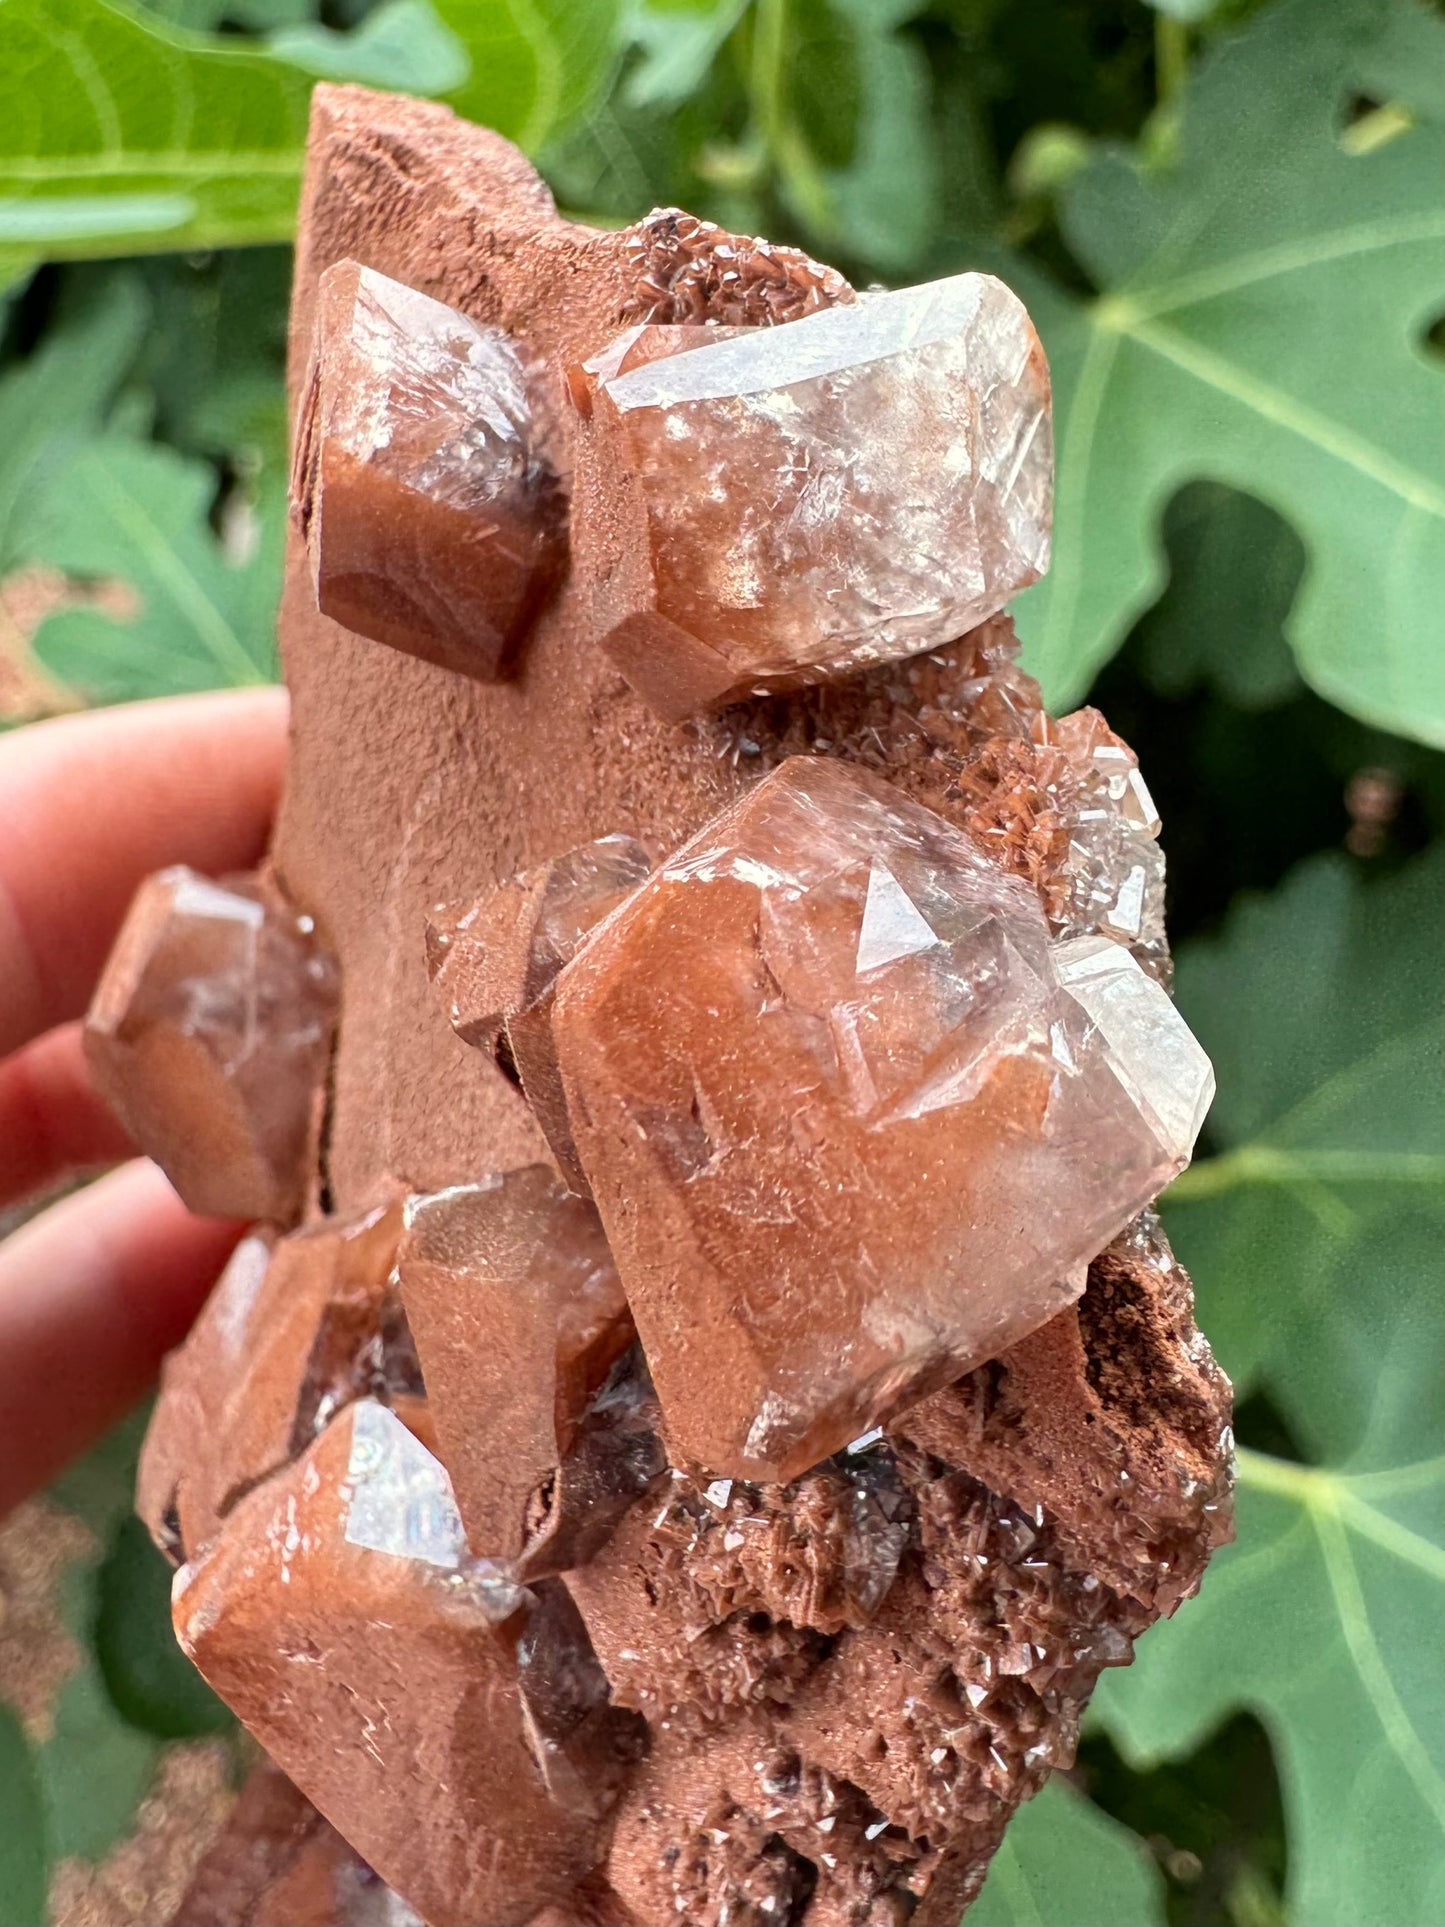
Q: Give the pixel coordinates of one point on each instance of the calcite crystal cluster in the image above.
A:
(705, 1392)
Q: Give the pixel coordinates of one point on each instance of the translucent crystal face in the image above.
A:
(519, 1316)
(296, 1329)
(399, 1497)
(430, 513)
(865, 483)
(852, 1119)
(209, 1033)
(343, 1617)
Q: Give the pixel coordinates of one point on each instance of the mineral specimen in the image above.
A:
(294, 1330)
(209, 1034)
(688, 1696)
(519, 1317)
(852, 1124)
(343, 1617)
(432, 518)
(864, 483)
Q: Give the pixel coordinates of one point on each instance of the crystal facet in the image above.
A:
(494, 963)
(433, 520)
(342, 1616)
(862, 484)
(849, 1126)
(209, 1034)
(518, 1316)
(294, 1330)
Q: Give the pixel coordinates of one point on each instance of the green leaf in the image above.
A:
(677, 44)
(122, 133)
(1262, 298)
(23, 1859)
(537, 65)
(402, 45)
(95, 1768)
(1065, 1864)
(99, 1487)
(1314, 1234)
(58, 397)
(139, 513)
(1234, 569)
(151, 1683)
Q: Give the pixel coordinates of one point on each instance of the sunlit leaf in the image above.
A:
(1262, 297)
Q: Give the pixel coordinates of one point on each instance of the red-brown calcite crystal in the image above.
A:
(293, 1330)
(852, 1123)
(432, 517)
(693, 1697)
(343, 1617)
(494, 964)
(209, 1034)
(518, 1317)
(862, 484)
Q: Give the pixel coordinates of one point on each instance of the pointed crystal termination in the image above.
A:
(853, 1123)
(433, 521)
(494, 962)
(342, 1617)
(519, 1316)
(862, 484)
(294, 1330)
(209, 1034)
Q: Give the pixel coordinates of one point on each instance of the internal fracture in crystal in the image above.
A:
(861, 484)
(518, 1317)
(852, 1119)
(209, 1034)
(432, 517)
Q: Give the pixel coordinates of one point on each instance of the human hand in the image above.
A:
(95, 1290)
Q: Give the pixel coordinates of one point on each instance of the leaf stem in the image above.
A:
(1171, 58)
(1270, 1164)
(801, 176)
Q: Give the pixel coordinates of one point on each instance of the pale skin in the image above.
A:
(96, 1289)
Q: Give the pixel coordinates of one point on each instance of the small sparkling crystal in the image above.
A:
(433, 520)
(854, 1122)
(519, 1317)
(209, 1034)
(862, 484)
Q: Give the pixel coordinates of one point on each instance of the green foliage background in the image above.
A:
(1229, 219)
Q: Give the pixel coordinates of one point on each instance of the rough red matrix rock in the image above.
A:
(683, 1695)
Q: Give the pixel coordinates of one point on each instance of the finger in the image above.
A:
(52, 1123)
(93, 1293)
(89, 805)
